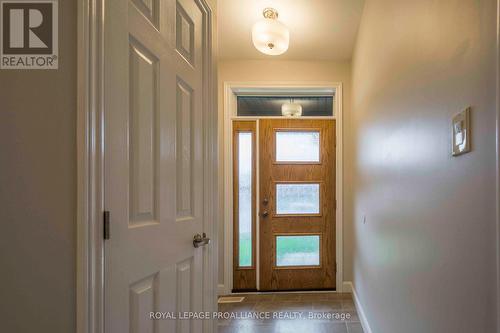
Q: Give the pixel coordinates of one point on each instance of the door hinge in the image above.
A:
(106, 227)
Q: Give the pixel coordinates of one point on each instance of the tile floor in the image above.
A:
(333, 313)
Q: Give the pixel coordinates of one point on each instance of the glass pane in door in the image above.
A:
(297, 199)
(297, 146)
(297, 250)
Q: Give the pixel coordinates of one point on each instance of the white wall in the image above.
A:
(276, 70)
(425, 259)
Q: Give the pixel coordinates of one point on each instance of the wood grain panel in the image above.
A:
(244, 278)
(297, 278)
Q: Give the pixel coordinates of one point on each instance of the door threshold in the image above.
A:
(324, 291)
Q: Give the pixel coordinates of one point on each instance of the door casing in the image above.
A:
(231, 91)
(90, 168)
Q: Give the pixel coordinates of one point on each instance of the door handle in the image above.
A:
(265, 213)
(199, 240)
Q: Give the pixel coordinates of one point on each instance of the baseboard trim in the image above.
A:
(347, 287)
(359, 308)
(221, 289)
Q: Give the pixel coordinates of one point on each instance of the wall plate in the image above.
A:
(461, 132)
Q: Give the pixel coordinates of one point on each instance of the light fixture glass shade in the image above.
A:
(291, 110)
(270, 36)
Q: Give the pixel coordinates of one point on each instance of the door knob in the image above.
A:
(199, 240)
(265, 213)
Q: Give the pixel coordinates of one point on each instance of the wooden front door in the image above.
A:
(297, 204)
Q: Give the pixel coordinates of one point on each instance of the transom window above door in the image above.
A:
(271, 106)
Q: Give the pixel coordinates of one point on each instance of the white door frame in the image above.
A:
(231, 89)
(90, 169)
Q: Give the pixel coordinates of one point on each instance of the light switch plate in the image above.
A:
(461, 133)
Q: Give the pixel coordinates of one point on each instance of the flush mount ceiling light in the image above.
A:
(291, 109)
(269, 35)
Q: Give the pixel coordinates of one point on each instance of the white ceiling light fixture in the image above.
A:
(269, 35)
(291, 109)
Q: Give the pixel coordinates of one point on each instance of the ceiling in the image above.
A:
(319, 29)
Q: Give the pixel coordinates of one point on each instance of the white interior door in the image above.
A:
(155, 94)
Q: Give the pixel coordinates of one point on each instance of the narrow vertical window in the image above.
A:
(245, 198)
(244, 205)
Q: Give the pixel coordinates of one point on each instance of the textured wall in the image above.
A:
(425, 259)
(38, 191)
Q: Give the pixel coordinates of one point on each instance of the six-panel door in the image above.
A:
(154, 99)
